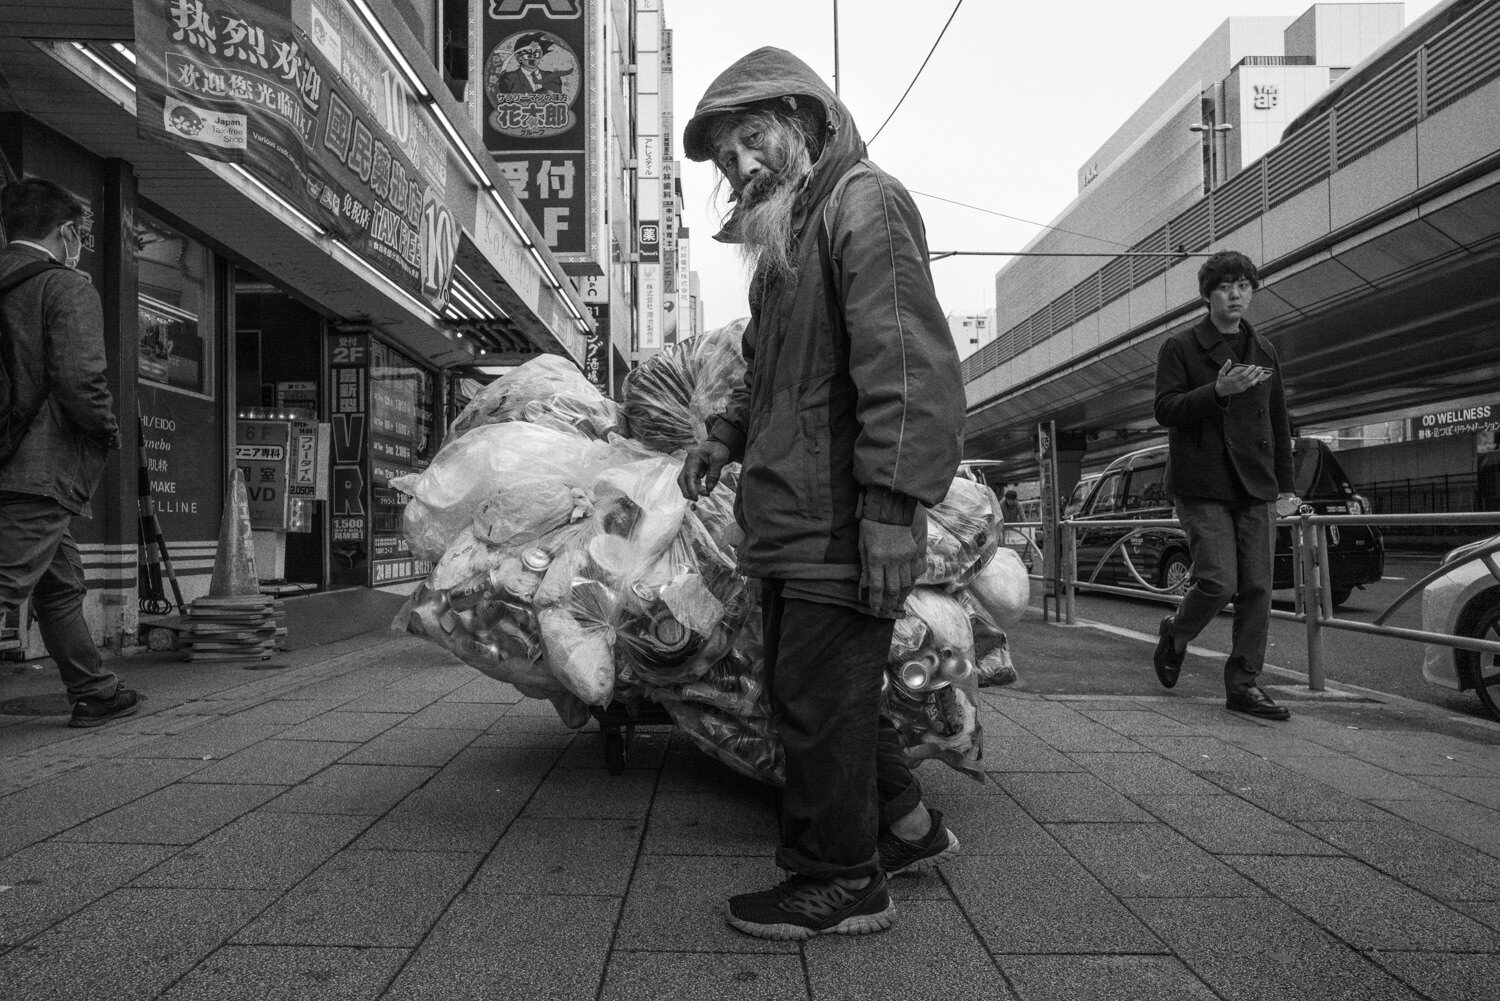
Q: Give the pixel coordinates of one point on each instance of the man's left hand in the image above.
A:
(891, 560)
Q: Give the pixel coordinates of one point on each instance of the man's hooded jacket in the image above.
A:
(853, 404)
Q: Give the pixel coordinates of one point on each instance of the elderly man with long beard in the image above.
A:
(848, 424)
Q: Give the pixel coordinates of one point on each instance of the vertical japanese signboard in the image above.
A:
(312, 107)
(596, 350)
(401, 442)
(349, 522)
(261, 451)
(649, 157)
(542, 112)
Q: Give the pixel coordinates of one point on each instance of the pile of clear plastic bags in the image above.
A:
(568, 564)
(670, 397)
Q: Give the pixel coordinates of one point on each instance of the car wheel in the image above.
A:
(1340, 595)
(1486, 666)
(1176, 571)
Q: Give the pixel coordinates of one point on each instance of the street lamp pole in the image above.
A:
(835, 48)
(1211, 135)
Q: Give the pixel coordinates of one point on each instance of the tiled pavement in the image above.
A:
(374, 820)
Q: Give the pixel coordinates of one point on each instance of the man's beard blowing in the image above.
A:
(765, 215)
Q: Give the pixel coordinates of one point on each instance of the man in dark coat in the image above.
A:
(848, 424)
(52, 336)
(1219, 393)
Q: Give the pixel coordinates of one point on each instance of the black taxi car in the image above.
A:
(1133, 486)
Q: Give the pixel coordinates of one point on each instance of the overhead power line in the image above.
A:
(978, 208)
(918, 76)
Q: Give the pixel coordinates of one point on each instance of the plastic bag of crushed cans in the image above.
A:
(568, 564)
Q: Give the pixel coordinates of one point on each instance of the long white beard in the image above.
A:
(765, 216)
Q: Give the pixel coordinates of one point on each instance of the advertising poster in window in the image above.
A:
(314, 109)
(181, 430)
(349, 493)
(401, 442)
(542, 111)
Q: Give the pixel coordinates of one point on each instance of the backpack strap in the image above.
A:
(25, 273)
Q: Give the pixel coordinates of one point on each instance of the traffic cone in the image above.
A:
(234, 563)
(234, 621)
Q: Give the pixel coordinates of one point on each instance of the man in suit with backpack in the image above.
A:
(848, 425)
(57, 424)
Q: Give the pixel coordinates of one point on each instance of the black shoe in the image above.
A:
(1167, 659)
(801, 907)
(897, 855)
(97, 712)
(1254, 702)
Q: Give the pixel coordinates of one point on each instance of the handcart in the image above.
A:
(617, 723)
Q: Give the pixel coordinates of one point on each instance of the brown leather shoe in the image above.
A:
(1254, 702)
(1167, 659)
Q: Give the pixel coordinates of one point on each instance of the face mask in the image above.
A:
(72, 248)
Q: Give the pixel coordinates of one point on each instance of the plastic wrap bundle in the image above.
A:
(476, 604)
(641, 592)
(546, 390)
(932, 683)
(995, 599)
(668, 399)
(963, 531)
(727, 711)
(716, 510)
(512, 482)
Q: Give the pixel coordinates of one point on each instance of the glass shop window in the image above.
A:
(176, 308)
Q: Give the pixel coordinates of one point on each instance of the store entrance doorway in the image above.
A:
(278, 380)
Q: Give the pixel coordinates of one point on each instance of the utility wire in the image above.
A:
(918, 76)
(977, 208)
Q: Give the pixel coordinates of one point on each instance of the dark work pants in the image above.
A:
(38, 558)
(846, 775)
(1232, 548)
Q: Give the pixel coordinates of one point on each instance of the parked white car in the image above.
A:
(1465, 601)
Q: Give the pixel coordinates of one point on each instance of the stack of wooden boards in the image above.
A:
(234, 627)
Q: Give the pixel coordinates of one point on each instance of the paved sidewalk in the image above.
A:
(375, 820)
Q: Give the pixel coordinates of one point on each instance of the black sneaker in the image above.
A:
(897, 855)
(97, 712)
(800, 907)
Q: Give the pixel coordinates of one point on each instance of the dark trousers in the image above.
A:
(39, 559)
(1232, 548)
(846, 775)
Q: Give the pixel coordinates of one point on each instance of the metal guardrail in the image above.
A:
(1313, 589)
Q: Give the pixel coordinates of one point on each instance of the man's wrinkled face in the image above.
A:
(752, 156)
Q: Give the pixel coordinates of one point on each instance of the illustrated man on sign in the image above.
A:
(1219, 394)
(848, 424)
(528, 76)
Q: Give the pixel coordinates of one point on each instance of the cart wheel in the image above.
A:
(614, 749)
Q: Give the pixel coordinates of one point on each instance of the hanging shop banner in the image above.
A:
(310, 106)
(401, 442)
(542, 108)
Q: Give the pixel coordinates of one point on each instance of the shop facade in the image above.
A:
(248, 324)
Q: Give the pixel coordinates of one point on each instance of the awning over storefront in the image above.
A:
(508, 293)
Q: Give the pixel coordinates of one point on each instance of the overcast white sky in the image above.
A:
(1016, 98)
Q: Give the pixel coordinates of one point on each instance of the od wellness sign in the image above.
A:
(312, 107)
